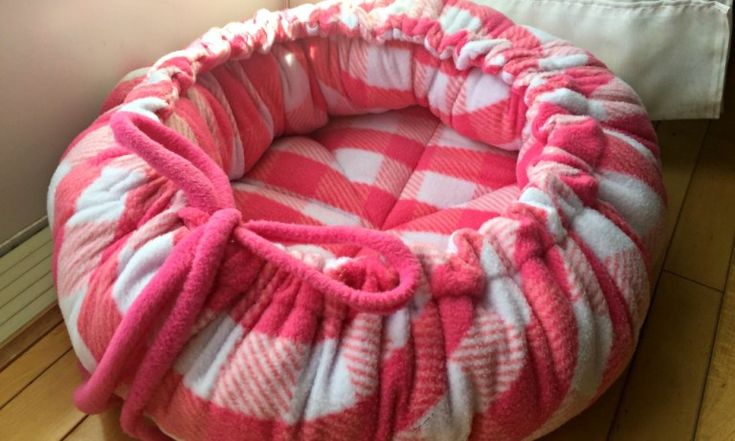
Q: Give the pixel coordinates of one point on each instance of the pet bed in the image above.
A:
(358, 221)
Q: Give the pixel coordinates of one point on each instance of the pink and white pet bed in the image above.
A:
(358, 221)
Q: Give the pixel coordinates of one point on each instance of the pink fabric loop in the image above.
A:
(176, 329)
(185, 280)
(187, 276)
(253, 235)
(207, 189)
(258, 237)
(94, 394)
(205, 184)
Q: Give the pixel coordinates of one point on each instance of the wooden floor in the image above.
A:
(680, 385)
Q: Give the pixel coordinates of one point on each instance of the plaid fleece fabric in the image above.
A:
(368, 220)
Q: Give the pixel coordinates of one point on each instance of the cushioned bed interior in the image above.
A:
(339, 131)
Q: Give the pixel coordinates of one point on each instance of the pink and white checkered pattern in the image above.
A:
(400, 171)
(521, 174)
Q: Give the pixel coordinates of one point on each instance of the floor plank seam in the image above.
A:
(30, 345)
(714, 341)
(684, 198)
(79, 423)
(625, 379)
(710, 356)
(696, 282)
(667, 247)
(56, 360)
(631, 363)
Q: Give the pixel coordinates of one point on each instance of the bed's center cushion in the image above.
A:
(401, 170)
(341, 131)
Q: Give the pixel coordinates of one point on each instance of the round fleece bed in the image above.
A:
(358, 221)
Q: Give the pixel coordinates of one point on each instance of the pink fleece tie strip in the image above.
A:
(187, 276)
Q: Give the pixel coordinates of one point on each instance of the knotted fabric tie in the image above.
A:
(186, 278)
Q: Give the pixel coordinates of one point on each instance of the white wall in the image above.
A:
(58, 59)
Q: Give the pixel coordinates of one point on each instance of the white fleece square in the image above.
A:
(359, 165)
(444, 191)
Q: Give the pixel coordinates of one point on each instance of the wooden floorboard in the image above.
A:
(701, 246)
(667, 376)
(104, 426)
(28, 335)
(680, 143)
(44, 411)
(717, 415)
(33, 362)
